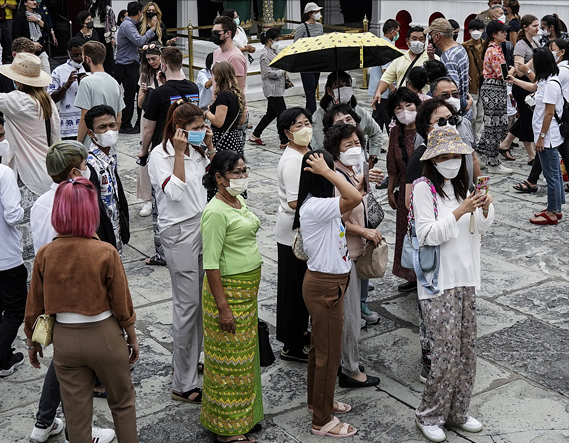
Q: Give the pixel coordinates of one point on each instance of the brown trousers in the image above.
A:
(324, 298)
(82, 351)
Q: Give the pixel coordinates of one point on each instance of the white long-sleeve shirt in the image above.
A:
(177, 201)
(12, 214)
(40, 219)
(460, 250)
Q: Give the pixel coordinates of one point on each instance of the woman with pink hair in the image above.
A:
(81, 281)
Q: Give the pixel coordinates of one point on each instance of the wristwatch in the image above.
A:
(529, 71)
(542, 135)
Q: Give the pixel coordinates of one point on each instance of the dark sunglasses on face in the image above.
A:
(452, 121)
(446, 95)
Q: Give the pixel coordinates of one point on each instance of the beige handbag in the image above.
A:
(298, 247)
(373, 261)
(43, 329)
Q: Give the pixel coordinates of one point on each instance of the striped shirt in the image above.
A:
(314, 29)
(273, 79)
(456, 61)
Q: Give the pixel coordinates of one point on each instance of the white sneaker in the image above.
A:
(471, 425)
(363, 323)
(432, 433)
(146, 209)
(499, 169)
(40, 435)
(101, 435)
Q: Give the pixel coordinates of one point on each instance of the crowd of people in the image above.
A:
(451, 111)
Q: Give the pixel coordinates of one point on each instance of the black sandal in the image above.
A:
(186, 396)
(566, 187)
(201, 367)
(507, 154)
(155, 261)
(525, 187)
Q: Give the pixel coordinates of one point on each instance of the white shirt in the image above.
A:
(12, 214)
(324, 236)
(69, 115)
(460, 250)
(240, 40)
(177, 201)
(564, 77)
(206, 95)
(25, 131)
(288, 174)
(548, 92)
(40, 219)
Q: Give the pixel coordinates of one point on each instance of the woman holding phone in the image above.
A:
(494, 93)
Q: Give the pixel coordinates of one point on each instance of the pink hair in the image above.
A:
(75, 208)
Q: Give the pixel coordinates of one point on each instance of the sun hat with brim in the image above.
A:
(311, 7)
(439, 25)
(26, 69)
(496, 26)
(445, 140)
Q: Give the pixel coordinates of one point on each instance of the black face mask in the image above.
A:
(216, 38)
(150, 15)
(89, 25)
(455, 37)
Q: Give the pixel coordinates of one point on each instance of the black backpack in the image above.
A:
(563, 121)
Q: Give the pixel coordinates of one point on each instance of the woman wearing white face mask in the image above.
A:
(401, 105)
(310, 27)
(344, 142)
(273, 85)
(455, 223)
(339, 90)
(232, 263)
(176, 169)
(551, 28)
(494, 94)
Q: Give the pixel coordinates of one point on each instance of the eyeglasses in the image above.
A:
(75, 57)
(446, 95)
(240, 172)
(453, 120)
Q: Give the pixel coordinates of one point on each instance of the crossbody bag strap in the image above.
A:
(409, 69)
(48, 130)
(307, 31)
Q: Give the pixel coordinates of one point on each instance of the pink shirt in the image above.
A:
(237, 60)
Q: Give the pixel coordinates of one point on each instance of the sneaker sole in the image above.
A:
(375, 322)
(420, 427)
(422, 379)
(8, 372)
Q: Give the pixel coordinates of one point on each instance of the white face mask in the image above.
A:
(85, 172)
(352, 156)
(317, 16)
(417, 47)
(476, 35)
(454, 102)
(75, 64)
(543, 32)
(275, 46)
(343, 94)
(107, 139)
(449, 169)
(302, 137)
(502, 18)
(406, 117)
(4, 147)
(237, 186)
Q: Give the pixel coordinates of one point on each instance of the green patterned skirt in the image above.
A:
(232, 402)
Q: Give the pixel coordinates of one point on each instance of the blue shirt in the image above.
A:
(375, 74)
(128, 40)
(456, 61)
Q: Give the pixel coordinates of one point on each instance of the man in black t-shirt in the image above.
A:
(158, 103)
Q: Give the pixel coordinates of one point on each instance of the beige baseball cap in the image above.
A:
(439, 25)
(311, 7)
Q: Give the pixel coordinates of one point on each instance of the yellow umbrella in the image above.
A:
(337, 51)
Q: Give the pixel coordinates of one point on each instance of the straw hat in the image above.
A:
(26, 69)
(445, 140)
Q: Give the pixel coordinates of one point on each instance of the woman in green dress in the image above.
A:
(232, 402)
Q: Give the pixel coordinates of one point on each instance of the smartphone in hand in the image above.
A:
(504, 68)
(482, 184)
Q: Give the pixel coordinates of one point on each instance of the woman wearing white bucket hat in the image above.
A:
(32, 125)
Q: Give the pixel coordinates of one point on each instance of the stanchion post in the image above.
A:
(365, 23)
(191, 49)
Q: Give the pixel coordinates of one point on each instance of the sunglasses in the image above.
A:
(452, 121)
(446, 95)
(152, 46)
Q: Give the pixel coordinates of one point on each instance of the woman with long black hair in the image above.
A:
(552, 27)
(319, 217)
(494, 94)
(29, 23)
(104, 23)
(401, 105)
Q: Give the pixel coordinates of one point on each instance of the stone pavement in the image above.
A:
(522, 389)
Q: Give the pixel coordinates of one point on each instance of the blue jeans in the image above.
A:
(549, 159)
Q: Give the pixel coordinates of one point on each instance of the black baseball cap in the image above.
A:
(496, 26)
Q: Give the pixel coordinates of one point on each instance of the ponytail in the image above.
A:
(270, 34)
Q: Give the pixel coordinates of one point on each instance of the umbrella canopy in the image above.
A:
(337, 51)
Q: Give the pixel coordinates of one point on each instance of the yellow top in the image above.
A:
(399, 66)
(9, 12)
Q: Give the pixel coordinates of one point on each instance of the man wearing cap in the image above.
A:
(453, 56)
(310, 27)
(400, 67)
(485, 17)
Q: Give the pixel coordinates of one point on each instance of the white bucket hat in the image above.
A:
(26, 69)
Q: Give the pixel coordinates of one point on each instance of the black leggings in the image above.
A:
(275, 105)
(536, 168)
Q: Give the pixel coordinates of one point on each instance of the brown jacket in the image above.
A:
(78, 275)
(474, 58)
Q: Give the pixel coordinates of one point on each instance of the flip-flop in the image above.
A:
(525, 187)
(155, 261)
(257, 141)
(505, 153)
(325, 430)
(558, 214)
(343, 408)
(545, 221)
